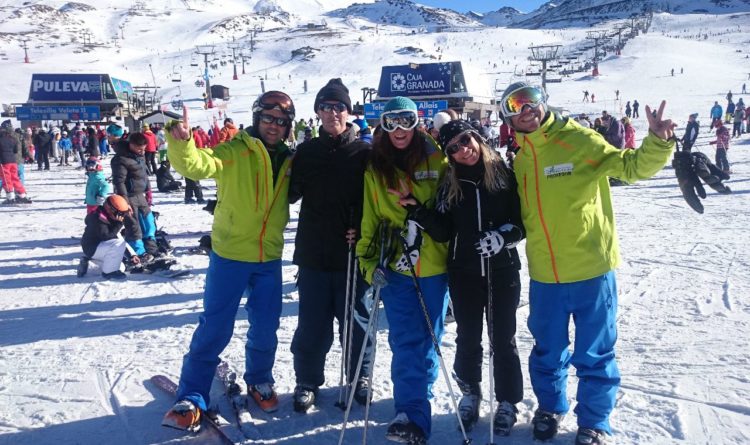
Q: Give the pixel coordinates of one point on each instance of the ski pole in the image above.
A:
(347, 326)
(370, 326)
(490, 333)
(435, 342)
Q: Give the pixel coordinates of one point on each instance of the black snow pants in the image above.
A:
(468, 290)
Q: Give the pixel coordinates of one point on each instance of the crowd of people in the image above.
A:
(423, 213)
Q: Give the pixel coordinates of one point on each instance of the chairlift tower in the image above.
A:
(25, 46)
(620, 30)
(598, 37)
(544, 54)
(245, 57)
(234, 46)
(205, 51)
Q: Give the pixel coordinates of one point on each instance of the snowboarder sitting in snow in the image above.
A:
(165, 182)
(97, 187)
(101, 241)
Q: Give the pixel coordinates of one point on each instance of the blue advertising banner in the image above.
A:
(58, 113)
(65, 87)
(426, 109)
(425, 79)
(123, 88)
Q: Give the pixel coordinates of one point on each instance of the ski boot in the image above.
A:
(468, 406)
(83, 267)
(545, 424)
(505, 418)
(304, 397)
(403, 430)
(264, 396)
(116, 275)
(184, 415)
(590, 436)
(362, 391)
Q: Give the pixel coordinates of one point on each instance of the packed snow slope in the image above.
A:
(77, 353)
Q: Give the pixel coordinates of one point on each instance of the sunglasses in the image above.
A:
(340, 107)
(274, 100)
(455, 147)
(515, 102)
(268, 120)
(404, 119)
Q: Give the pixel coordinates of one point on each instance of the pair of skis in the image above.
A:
(229, 432)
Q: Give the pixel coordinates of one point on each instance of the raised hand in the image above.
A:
(180, 130)
(661, 128)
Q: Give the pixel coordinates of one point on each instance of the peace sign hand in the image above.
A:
(180, 130)
(403, 193)
(664, 129)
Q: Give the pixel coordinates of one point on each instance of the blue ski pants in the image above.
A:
(593, 305)
(147, 225)
(415, 364)
(226, 281)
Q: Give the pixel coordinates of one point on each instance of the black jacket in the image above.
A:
(163, 177)
(691, 134)
(129, 176)
(9, 147)
(92, 146)
(42, 142)
(98, 228)
(328, 175)
(460, 223)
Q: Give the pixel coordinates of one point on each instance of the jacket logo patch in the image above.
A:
(429, 174)
(555, 171)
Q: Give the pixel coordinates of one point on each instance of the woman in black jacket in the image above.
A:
(478, 213)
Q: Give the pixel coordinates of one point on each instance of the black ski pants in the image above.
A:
(42, 159)
(150, 162)
(468, 290)
(193, 188)
(322, 296)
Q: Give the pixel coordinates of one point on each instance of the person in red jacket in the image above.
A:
(722, 146)
(629, 133)
(227, 133)
(151, 146)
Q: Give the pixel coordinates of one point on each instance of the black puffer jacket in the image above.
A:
(460, 223)
(10, 146)
(98, 228)
(129, 176)
(328, 175)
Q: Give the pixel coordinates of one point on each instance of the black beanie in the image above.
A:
(452, 129)
(334, 90)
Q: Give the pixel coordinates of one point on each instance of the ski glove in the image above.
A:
(690, 168)
(413, 239)
(492, 242)
(379, 279)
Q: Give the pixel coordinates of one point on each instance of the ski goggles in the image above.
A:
(339, 107)
(275, 100)
(403, 119)
(268, 120)
(463, 140)
(514, 102)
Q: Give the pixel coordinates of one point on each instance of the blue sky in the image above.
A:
(483, 5)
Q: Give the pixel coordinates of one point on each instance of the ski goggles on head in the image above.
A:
(275, 100)
(338, 107)
(514, 102)
(403, 119)
(462, 140)
(268, 119)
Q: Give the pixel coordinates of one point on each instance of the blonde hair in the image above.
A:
(494, 180)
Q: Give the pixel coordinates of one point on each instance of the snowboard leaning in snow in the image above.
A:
(238, 400)
(229, 433)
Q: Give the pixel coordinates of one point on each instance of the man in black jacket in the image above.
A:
(328, 175)
(691, 132)
(165, 182)
(43, 145)
(130, 180)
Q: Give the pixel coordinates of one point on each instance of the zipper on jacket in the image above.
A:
(539, 209)
(267, 214)
(479, 225)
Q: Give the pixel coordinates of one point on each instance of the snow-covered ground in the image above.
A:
(76, 354)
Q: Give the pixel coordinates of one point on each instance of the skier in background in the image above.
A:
(636, 115)
(691, 132)
(716, 115)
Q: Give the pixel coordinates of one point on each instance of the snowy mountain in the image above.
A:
(406, 13)
(502, 17)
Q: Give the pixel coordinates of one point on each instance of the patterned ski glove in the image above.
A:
(379, 279)
(490, 243)
(413, 239)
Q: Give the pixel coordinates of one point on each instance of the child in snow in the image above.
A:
(101, 241)
(165, 182)
(97, 187)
